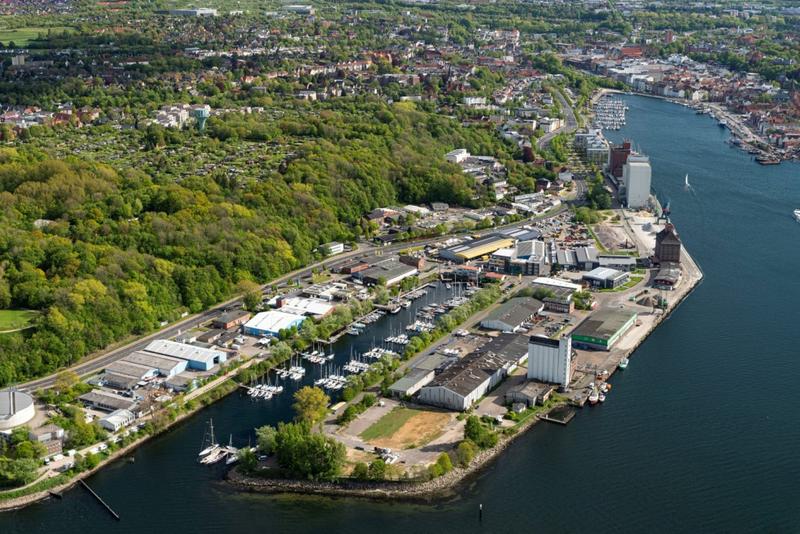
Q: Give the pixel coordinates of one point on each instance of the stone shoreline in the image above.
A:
(383, 489)
(438, 487)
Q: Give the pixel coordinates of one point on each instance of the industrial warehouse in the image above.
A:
(603, 329)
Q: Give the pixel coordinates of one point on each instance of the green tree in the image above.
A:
(265, 439)
(247, 459)
(465, 452)
(310, 405)
(377, 469)
(361, 471)
(251, 295)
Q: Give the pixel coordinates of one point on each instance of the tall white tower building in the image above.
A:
(636, 175)
(550, 360)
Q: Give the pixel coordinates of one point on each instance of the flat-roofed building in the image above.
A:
(512, 314)
(334, 247)
(602, 329)
(16, 408)
(106, 401)
(556, 299)
(529, 393)
(312, 307)
(527, 258)
(605, 278)
(550, 360)
(46, 433)
(389, 272)
(231, 319)
(119, 382)
(620, 263)
(270, 323)
(636, 175)
(556, 283)
(165, 365)
(117, 420)
(476, 248)
(133, 370)
(198, 358)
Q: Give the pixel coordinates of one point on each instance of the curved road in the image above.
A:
(570, 126)
(102, 360)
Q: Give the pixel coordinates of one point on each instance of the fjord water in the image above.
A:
(700, 433)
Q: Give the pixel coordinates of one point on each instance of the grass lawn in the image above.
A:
(390, 423)
(23, 36)
(14, 319)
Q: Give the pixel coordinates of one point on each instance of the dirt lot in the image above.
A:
(420, 428)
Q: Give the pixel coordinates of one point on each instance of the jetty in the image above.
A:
(111, 511)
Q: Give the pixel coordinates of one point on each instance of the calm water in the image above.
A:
(699, 434)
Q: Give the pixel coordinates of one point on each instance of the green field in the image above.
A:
(390, 423)
(15, 319)
(23, 36)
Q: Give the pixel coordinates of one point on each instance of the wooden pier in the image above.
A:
(559, 415)
(111, 511)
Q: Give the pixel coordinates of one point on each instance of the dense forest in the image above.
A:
(104, 253)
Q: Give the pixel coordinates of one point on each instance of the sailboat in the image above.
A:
(209, 438)
(686, 182)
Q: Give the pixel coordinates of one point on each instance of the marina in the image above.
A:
(703, 464)
(609, 113)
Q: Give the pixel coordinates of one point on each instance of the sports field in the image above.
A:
(23, 36)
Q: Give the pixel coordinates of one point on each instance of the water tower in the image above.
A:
(201, 114)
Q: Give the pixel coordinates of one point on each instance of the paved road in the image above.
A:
(101, 361)
(570, 126)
